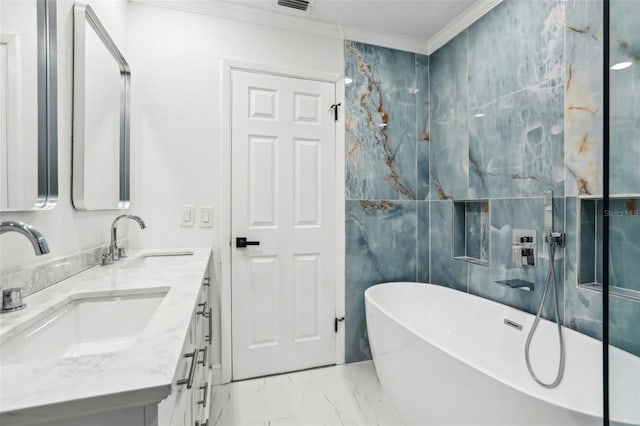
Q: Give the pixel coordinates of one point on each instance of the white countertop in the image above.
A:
(143, 373)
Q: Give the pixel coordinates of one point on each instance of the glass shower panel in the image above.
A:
(623, 213)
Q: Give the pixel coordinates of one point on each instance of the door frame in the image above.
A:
(224, 200)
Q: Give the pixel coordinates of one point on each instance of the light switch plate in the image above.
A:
(187, 218)
(206, 217)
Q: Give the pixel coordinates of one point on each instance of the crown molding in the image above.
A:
(288, 22)
(393, 41)
(463, 21)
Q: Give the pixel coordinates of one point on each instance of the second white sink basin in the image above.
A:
(158, 258)
(85, 324)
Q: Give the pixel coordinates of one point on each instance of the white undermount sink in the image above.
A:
(161, 257)
(84, 324)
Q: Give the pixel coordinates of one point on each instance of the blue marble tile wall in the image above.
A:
(515, 100)
(524, 116)
(387, 177)
(381, 135)
(584, 147)
(509, 108)
(498, 133)
(583, 97)
(381, 246)
(583, 309)
(624, 175)
(625, 98)
(449, 154)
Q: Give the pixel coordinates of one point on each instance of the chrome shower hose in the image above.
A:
(551, 276)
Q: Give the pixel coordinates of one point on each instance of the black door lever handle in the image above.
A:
(242, 242)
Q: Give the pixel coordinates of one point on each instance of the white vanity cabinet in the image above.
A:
(152, 382)
(188, 404)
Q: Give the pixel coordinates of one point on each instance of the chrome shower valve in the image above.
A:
(555, 238)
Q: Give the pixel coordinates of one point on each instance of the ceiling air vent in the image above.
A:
(295, 4)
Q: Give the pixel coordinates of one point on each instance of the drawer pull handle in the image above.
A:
(210, 317)
(205, 388)
(206, 282)
(203, 312)
(192, 370)
(204, 356)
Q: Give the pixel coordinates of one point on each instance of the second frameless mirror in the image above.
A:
(101, 83)
(28, 105)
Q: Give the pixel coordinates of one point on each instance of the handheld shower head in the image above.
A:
(551, 237)
(548, 212)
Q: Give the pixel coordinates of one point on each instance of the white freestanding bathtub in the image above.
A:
(445, 357)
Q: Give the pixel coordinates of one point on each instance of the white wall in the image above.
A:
(176, 63)
(66, 230)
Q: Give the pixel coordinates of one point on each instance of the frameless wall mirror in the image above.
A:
(101, 80)
(28, 105)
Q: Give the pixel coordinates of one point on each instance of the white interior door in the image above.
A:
(283, 196)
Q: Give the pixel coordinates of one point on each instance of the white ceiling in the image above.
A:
(418, 19)
(414, 25)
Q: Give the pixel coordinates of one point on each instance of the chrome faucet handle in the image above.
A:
(122, 252)
(12, 300)
(107, 258)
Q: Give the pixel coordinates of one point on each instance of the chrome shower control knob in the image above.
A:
(12, 300)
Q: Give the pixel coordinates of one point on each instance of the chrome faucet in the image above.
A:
(34, 236)
(12, 297)
(116, 252)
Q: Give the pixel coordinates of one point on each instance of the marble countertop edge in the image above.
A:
(85, 406)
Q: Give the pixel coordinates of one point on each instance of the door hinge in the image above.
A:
(335, 323)
(335, 107)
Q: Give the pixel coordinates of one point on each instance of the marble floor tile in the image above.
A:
(339, 395)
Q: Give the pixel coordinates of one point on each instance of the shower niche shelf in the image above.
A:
(471, 231)
(624, 253)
